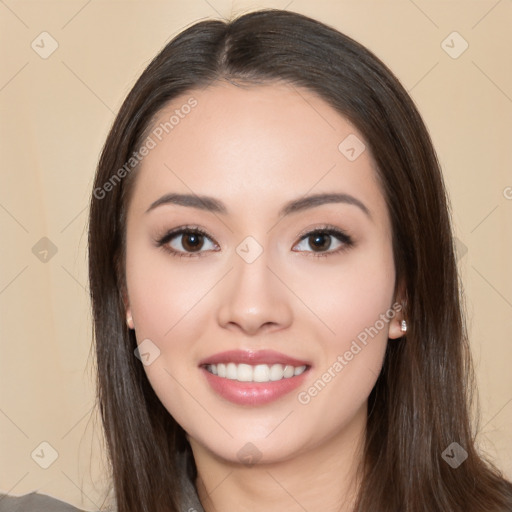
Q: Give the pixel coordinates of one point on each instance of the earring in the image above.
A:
(403, 326)
(129, 321)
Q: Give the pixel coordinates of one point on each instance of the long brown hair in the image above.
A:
(422, 400)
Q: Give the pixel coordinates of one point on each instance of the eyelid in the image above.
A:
(322, 228)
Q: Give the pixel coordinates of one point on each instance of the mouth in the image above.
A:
(253, 377)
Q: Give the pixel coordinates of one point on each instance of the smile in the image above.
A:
(255, 373)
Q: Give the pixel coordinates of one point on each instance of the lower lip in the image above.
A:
(253, 393)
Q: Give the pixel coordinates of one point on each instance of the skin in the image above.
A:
(255, 148)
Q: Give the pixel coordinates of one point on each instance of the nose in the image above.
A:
(253, 299)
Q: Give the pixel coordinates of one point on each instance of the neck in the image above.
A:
(322, 478)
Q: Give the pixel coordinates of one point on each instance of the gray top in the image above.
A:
(34, 502)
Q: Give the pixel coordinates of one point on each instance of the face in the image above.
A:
(264, 299)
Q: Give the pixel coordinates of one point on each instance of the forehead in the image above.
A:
(255, 147)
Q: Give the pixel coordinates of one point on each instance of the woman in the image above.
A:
(275, 295)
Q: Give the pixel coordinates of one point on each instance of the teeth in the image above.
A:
(261, 373)
(257, 373)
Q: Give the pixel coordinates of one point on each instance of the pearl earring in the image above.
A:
(403, 327)
(129, 321)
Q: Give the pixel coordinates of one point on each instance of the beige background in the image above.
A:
(55, 115)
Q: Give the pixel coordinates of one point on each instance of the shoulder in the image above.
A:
(34, 502)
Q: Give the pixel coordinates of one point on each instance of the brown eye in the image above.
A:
(192, 241)
(187, 242)
(324, 242)
(319, 241)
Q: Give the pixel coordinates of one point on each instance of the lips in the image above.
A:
(253, 393)
(269, 357)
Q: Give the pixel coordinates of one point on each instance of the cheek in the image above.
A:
(356, 304)
(161, 293)
(349, 296)
(167, 305)
(169, 381)
(363, 299)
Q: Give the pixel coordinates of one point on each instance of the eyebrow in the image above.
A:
(297, 205)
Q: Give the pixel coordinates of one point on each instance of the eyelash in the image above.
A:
(329, 230)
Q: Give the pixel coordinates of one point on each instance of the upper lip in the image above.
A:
(253, 357)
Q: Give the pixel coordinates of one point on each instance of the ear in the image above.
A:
(399, 306)
(128, 309)
(395, 327)
(129, 319)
